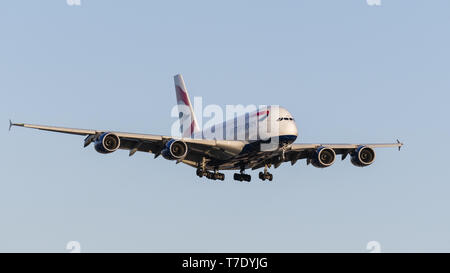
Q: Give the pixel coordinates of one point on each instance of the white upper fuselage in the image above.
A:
(262, 124)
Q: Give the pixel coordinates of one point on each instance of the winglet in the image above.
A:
(401, 144)
(11, 124)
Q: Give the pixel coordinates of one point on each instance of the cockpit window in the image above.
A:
(284, 118)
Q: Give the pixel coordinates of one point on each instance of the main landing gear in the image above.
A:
(265, 175)
(201, 171)
(242, 176)
(210, 175)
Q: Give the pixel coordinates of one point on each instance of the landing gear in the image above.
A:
(265, 175)
(201, 171)
(242, 176)
(211, 175)
(217, 176)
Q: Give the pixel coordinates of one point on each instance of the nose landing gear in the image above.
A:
(265, 175)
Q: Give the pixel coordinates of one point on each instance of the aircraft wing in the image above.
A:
(298, 151)
(127, 140)
(142, 142)
(342, 148)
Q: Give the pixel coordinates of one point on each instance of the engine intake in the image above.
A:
(323, 157)
(107, 143)
(175, 149)
(363, 156)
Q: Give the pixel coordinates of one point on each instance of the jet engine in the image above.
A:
(174, 149)
(107, 143)
(363, 156)
(323, 157)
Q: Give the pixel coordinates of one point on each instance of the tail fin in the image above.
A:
(186, 112)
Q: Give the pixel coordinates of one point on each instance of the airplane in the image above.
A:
(209, 155)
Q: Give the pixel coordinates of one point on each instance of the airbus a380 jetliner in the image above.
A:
(210, 155)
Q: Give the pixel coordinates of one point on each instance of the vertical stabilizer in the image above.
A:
(188, 122)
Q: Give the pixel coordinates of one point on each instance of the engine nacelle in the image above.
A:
(175, 149)
(107, 143)
(323, 157)
(363, 156)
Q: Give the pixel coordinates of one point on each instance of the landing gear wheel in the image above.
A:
(210, 175)
(219, 176)
(261, 176)
(237, 176)
(199, 173)
(247, 177)
(265, 175)
(242, 177)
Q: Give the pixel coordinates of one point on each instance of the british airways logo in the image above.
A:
(262, 114)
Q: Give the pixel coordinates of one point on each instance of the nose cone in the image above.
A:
(287, 128)
(288, 132)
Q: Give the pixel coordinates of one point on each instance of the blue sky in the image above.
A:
(347, 71)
